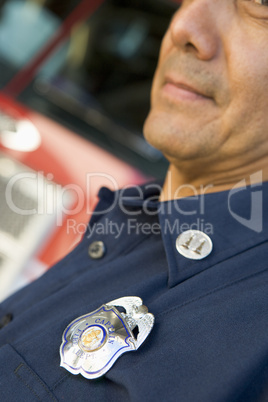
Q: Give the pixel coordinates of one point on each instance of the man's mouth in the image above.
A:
(179, 90)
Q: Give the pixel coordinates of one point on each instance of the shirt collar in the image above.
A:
(234, 220)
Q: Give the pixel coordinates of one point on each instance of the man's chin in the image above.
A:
(152, 132)
(164, 135)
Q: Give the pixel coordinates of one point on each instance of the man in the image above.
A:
(197, 257)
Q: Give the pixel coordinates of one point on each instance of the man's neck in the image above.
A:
(178, 185)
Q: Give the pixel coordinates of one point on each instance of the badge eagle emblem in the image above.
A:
(93, 342)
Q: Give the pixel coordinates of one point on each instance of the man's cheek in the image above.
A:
(165, 48)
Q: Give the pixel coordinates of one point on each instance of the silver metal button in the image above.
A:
(194, 244)
(96, 250)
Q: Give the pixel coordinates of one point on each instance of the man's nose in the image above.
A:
(194, 28)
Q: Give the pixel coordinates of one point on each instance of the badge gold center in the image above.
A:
(93, 339)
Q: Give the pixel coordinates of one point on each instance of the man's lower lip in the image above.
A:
(181, 94)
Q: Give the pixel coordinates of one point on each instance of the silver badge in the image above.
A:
(93, 342)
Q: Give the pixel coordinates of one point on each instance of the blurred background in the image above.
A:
(74, 93)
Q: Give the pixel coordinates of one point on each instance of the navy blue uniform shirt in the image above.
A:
(210, 338)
